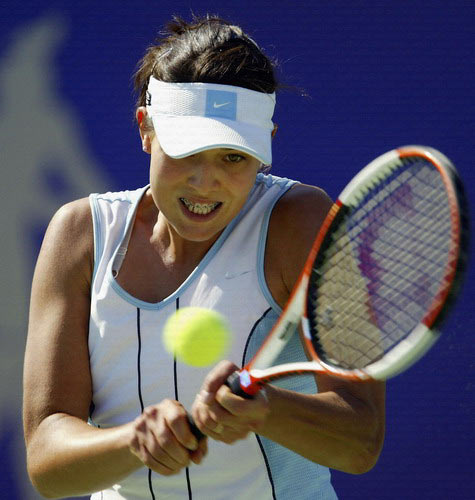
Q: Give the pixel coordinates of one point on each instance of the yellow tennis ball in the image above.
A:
(196, 336)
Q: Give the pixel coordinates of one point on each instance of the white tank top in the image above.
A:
(131, 370)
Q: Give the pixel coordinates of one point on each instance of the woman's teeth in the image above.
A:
(199, 208)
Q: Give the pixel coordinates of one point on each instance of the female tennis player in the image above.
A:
(105, 406)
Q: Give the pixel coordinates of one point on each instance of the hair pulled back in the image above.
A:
(207, 50)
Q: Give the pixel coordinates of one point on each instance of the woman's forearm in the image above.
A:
(68, 457)
(332, 428)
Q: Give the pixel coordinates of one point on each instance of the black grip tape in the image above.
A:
(193, 428)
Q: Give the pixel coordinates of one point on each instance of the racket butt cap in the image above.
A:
(234, 383)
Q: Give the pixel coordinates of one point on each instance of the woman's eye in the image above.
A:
(234, 158)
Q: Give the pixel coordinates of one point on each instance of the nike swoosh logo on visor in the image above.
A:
(216, 105)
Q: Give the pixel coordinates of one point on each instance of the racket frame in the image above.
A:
(259, 370)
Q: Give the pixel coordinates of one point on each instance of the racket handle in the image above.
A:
(194, 429)
(233, 382)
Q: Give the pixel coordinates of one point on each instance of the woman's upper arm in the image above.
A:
(56, 369)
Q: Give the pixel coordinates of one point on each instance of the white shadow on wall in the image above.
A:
(44, 162)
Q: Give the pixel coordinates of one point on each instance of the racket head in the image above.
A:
(386, 265)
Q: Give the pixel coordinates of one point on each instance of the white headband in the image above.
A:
(193, 117)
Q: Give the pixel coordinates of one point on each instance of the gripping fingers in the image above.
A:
(227, 434)
(207, 414)
(155, 446)
(218, 423)
(255, 408)
(177, 421)
(162, 438)
(160, 463)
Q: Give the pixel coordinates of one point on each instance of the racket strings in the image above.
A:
(382, 267)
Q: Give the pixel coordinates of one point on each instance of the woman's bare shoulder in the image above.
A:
(294, 224)
(303, 207)
(69, 242)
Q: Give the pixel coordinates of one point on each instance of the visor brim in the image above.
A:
(181, 136)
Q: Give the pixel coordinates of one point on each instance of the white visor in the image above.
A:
(193, 117)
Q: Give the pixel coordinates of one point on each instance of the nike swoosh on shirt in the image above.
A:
(230, 276)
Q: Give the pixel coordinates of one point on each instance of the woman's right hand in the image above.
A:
(162, 439)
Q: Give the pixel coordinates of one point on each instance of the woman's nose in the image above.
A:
(204, 176)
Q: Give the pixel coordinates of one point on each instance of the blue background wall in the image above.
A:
(378, 74)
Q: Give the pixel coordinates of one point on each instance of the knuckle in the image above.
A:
(175, 417)
(225, 363)
(174, 410)
(165, 405)
(150, 412)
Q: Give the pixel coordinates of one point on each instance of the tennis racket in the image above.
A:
(381, 274)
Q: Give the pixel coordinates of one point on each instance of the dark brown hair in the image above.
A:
(207, 50)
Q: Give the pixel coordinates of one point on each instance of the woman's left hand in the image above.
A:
(222, 415)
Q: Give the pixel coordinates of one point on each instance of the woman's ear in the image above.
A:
(274, 131)
(145, 129)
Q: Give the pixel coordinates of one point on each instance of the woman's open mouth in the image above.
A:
(200, 208)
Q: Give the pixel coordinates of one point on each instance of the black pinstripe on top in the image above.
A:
(243, 362)
(139, 389)
(175, 380)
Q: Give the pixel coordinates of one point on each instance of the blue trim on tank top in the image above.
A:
(96, 220)
(98, 244)
(285, 185)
